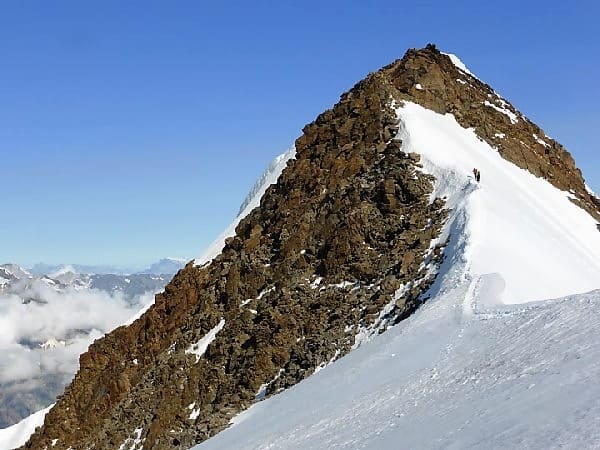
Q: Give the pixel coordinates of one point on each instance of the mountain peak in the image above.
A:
(347, 243)
(442, 83)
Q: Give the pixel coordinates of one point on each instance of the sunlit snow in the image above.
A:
(459, 64)
(540, 141)
(17, 434)
(486, 362)
(507, 112)
(505, 354)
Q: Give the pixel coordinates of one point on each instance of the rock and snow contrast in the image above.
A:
(487, 362)
(17, 434)
(388, 298)
(48, 320)
(252, 200)
(519, 226)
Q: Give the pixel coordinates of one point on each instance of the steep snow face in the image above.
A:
(268, 178)
(520, 227)
(471, 368)
(16, 435)
(459, 64)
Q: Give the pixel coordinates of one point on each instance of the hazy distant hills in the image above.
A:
(163, 266)
(51, 313)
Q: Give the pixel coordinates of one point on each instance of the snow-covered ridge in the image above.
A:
(468, 369)
(590, 191)
(459, 64)
(521, 227)
(14, 271)
(272, 171)
(268, 178)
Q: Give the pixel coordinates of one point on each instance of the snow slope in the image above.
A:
(520, 227)
(516, 377)
(483, 364)
(268, 178)
(459, 64)
(17, 434)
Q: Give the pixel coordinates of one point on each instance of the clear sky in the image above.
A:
(130, 131)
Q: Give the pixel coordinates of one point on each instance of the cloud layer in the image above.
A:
(77, 317)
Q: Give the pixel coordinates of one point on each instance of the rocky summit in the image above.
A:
(342, 247)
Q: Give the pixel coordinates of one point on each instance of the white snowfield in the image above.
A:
(17, 434)
(487, 362)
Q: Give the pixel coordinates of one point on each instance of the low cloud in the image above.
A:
(77, 317)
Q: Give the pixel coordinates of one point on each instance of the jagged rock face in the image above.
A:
(335, 248)
(343, 245)
(429, 78)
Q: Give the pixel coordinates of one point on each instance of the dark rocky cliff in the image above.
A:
(343, 244)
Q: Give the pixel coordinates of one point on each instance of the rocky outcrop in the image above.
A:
(343, 246)
(339, 247)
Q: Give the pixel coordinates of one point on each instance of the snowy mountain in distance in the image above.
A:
(60, 313)
(17, 281)
(13, 271)
(44, 269)
(162, 267)
(375, 295)
(63, 295)
(166, 265)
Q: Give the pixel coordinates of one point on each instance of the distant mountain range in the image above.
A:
(15, 279)
(60, 310)
(166, 265)
(163, 266)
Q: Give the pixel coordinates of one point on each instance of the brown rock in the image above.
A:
(348, 222)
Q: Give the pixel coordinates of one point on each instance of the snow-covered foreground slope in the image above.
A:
(514, 377)
(483, 364)
(17, 434)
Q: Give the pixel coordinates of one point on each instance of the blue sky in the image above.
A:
(130, 131)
